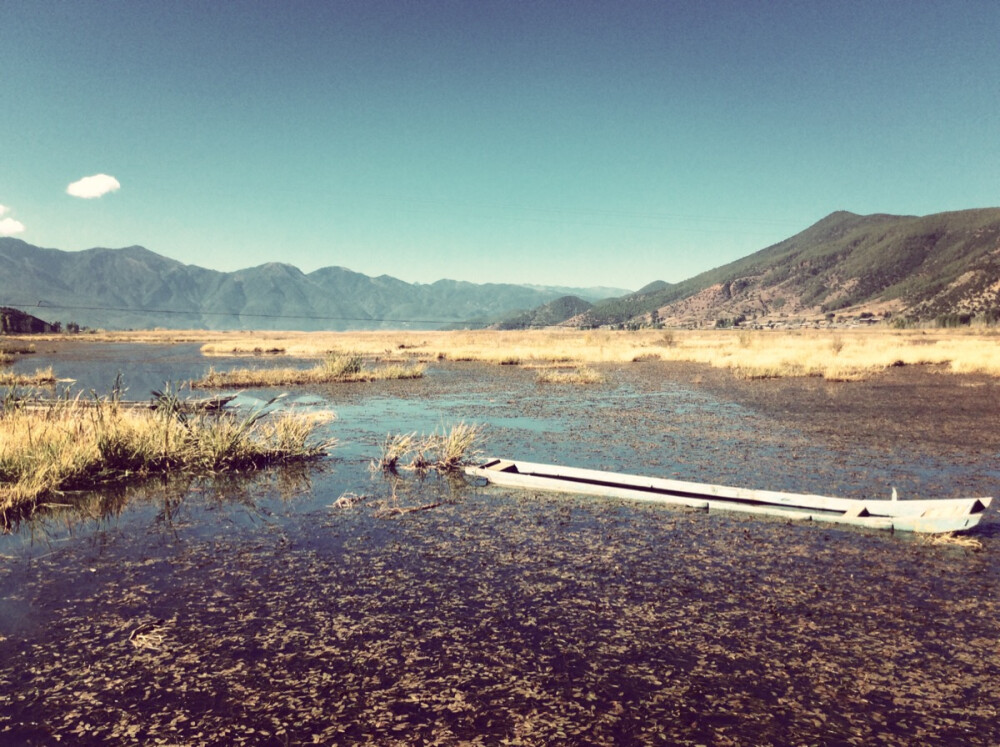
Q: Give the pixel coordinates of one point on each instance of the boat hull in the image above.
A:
(924, 516)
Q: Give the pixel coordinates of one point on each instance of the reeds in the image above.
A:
(446, 452)
(41, 377)
(842, 354)
(16, 348)
(835, 354)
(336, 367)
(393, 450)
(583, 375)
(456, 447)
(69, 446)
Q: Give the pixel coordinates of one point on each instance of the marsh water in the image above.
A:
(251, 609)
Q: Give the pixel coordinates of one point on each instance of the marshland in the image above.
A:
(366, 592)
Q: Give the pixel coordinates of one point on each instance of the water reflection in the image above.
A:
(158, 505)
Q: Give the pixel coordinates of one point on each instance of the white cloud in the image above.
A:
(9, 226)
(93, 186)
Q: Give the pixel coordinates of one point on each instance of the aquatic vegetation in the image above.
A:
(458, 446)
(9, 351)
(338, 367)
(394, 448)
(77, 444)
(582, 375)
(954, 540)
(834, 354)
(496, 617)
(446, 452)
(348, 500)
(41, 377)
(16, 348)
(342, 365)
(539, 621)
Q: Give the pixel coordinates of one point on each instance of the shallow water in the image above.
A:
(251, 610)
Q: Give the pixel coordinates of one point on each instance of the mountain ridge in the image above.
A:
(914, 267)
(909, 267)
(134, 287)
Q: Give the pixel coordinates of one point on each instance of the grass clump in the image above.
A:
(445, 452)
(69, 446)
(15, 348)
(457, 446)
(582, 375)
(41, 377)
(341, 365)
(393, 449)
(336, 367)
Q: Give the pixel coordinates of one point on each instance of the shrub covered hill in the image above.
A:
(938, 266)
(550, 314)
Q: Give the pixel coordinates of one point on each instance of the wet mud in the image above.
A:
(256, 611)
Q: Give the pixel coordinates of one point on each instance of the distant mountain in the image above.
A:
(136, 288)
(915, 267)
(550, 314)
(593, 293)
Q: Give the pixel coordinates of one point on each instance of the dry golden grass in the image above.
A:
(490, 346)
(445, 452)
(582, 375)
(69, 446)
(41, 377)
(394, 448)
(844, 354)
(840, 355)
(16, 347)
(334, 368)
(951, 539)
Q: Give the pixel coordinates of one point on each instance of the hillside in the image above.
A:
(16, 322)
(136, 288)
(550, 314)
(916, 267)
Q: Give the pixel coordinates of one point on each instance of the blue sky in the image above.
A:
(572, 143)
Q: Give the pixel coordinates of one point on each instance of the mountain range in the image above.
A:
(909, 267)
(878, 266)
(137, 288)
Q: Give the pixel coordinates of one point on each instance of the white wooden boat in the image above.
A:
(931, 516)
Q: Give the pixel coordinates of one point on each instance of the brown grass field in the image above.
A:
(837, 355)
